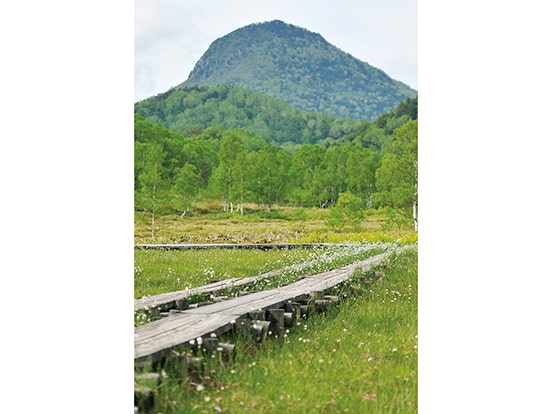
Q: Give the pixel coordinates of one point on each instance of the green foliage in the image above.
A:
(378, 135)
(267, 178)
(397, 178)
(408, 107)
(237, 167)
(186, 187)
(222, 182)
(151, 185)
(300, 68)
(347, 213)
(234, 107)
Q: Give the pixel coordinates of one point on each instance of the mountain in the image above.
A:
(301, 68)
(233, 107)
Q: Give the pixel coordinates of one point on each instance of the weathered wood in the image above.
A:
(333, 298)
(305, 310)
(321, 305)
(289, 319)
(152, 339)
(182, 304)
(228, 350)
(294, 308)
(276, 319)
(257, 315)
(195, 366)
(206, 303)
(260, 330)
(261, 246)
(166, 301)
(210, 345)
(316, 295)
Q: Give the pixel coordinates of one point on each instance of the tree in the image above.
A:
(151, 185)
(361, 173)
(240, 172)
(304, 163)
(267, 180)
(222, 180)
(329, 177)
(347, 213)
(397, 178)
(186, 187)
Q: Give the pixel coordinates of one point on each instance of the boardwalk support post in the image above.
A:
(276, 319)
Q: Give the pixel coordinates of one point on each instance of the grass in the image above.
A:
(360, 357)
(281, 225)
(160, 271)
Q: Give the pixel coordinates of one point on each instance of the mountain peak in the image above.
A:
(279, 28)
(299, 67)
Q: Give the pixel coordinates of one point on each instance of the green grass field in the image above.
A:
(160, 271)
(360, 357)
(281, 225)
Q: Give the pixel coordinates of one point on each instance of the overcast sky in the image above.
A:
(171, 35)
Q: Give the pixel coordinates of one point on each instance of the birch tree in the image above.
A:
(222, 181)
(397, 178)
(151, 184)
(186, 187)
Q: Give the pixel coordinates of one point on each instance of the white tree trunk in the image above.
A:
(415, 216)
(152, 226)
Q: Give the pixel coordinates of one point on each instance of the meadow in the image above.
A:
(160, 271)
(208, 224)
(360, 356)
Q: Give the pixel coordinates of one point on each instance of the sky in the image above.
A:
(171, 35)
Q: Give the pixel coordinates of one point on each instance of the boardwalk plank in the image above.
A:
(163, 299)
(180, 328)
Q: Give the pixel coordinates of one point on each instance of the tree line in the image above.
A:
(234, 167)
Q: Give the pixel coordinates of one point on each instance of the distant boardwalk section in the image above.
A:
(261, 246)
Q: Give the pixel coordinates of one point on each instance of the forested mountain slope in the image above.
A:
(301, 68)
(233, 107)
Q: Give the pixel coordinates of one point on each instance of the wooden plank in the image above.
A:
(163, 334)
(163, 299)
(181, 328)
(261, 246)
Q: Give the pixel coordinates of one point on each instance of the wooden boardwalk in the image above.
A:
(157, 338)
(261, 246)
(168, 300)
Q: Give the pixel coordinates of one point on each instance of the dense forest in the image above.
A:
(233, 107)
(301, 68)
(373, 166)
